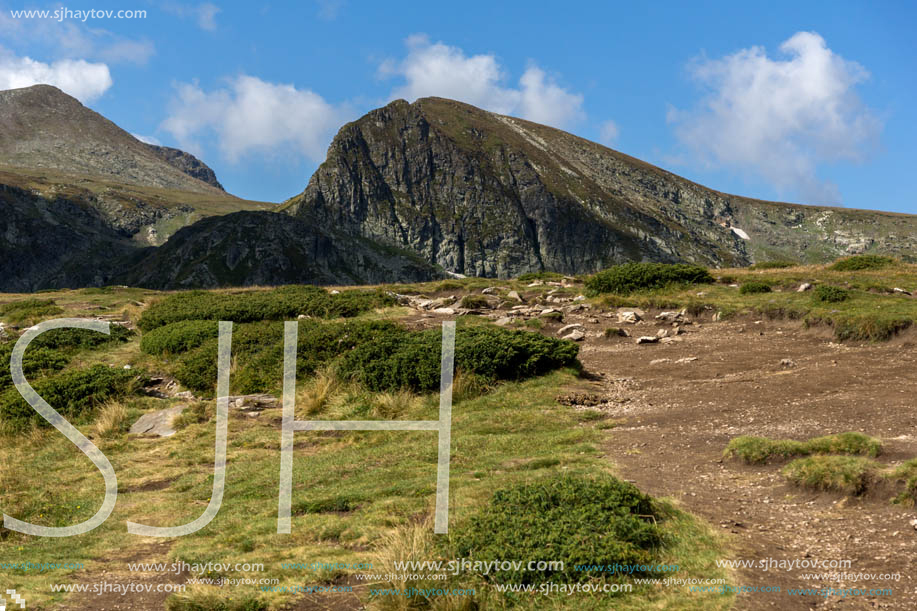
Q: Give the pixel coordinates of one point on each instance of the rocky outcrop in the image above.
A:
(487, 195)
(187, 163)
(266, 248)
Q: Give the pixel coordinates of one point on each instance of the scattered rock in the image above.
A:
(490, 290)
(253, 403)
(446, 311)
(646, 339)
(536, 283)
(787, 363)
(660, 361)
(514, 295)
(569, 328)
(687, 359)
(4, 335)
(157, 423)
(671, 316)
(335, 292)
(805, 286)
(579, 298)
(502, 322)
(628, 316)
(717, 316)
(901, 291)
(580, 399)
(576, 335)
(662, 333)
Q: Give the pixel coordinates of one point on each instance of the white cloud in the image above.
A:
(206, 16)
(608, 132)
(71, 39)
(780, 118)
(146, 139)
(330, 9)
(81, 79)
(251, 115)
(440, 70)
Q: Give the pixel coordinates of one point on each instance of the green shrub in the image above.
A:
(830, 294)
(279, 304)
(257, 349)
(754, 287)
(475, 302)
(629, 277)
(19, 311)
(576, 520)
(773, 265)
(847, 474)
(861, 262)
(80, 339)
(72, 393)
(178, 337)
(412, 360)
(52, 350)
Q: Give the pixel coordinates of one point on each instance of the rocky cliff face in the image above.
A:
(187, 163)
(488, 195)
(266, 248)
(54, 243)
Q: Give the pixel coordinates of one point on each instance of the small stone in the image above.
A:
(514, 295)
(687, 359)
(335, 292)
(446, 311)
(127, 367)
(576, 335)
(579, 298)
(490, 290)
(502, 322)
(536, 283)
(805, 286)
(646, 339)
(901, 291)
(787, 363)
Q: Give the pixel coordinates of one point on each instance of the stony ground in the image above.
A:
(682, 398)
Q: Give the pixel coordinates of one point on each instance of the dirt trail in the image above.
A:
(678, 418)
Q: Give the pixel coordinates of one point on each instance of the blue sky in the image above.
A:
(812, 102)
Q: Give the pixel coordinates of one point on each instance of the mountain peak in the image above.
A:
(42, 127)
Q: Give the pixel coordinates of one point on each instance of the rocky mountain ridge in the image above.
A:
(489, 195)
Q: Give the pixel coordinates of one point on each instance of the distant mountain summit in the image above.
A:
(489, 195)
(43, 127)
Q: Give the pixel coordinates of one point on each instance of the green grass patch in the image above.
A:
(759, 450)
(29, 309)
(772, 265)
(847, 474)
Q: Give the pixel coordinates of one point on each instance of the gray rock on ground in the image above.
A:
(158, 423)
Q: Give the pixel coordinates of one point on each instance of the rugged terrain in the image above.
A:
(489, 195)
(83, 201)
(721, 363)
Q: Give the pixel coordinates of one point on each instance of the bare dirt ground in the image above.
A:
(678, 418)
